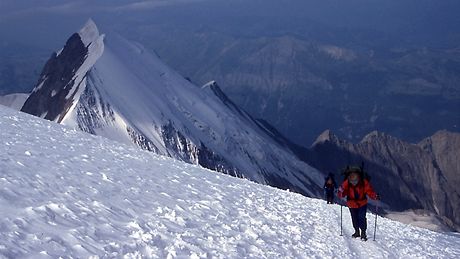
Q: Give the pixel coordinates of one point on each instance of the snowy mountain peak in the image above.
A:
(89, 33)
(115, 88)
(64, 76)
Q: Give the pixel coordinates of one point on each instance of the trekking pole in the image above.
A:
(341, 234)
(375, 225)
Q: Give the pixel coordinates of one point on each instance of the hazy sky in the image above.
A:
(421, 20)
(12, 8)
(51, 21)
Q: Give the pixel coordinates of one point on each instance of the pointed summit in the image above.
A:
(63, 78)
(326, 136)
(89, 32)
(214, 87)
(210, 84)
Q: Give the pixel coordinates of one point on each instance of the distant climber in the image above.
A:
(356, 189)
(329, 188)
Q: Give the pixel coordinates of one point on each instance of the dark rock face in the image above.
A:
(444, 148)
(177, 144)
(49, 98)
(209, 159)
(141, 141)
(90, 116)
(184, 149)
(408, 176)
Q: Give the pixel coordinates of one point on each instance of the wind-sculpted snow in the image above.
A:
(67, 193)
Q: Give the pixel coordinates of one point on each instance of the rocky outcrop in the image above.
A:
(444, 146)
(49, 98)
(408, 176)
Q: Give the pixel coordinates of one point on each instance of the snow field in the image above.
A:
(133, 87)
(66, 193)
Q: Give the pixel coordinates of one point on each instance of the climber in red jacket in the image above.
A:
(356, 189)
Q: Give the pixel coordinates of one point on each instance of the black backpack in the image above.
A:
(359, 169)
(330, 176)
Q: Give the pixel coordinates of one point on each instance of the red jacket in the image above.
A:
(362, 189)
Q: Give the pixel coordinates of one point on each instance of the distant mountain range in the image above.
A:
(302, 65)
(303, 86)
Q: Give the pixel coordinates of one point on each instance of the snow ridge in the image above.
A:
(123, 92)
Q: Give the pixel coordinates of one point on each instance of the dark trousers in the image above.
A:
(358, 216)
(329, 196)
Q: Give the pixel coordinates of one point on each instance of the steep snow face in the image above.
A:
(129, 95)
(64, 193)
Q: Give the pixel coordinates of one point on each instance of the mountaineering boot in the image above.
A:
(363, 235)
(356, 234)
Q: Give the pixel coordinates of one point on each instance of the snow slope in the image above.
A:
(67, 193)
(111, 87)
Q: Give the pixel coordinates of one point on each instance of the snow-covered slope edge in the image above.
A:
(67, 193)
(108, 86)
(14, 101)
